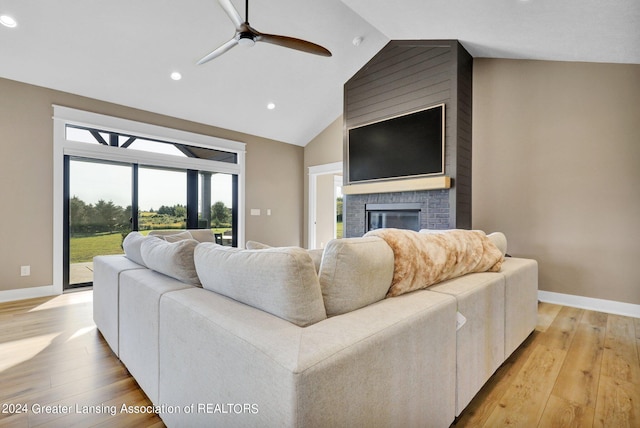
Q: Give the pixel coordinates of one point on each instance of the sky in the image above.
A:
(92, 181)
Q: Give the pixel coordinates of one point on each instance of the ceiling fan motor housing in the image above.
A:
(246, 39)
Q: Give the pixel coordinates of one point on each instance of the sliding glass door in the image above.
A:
(217, 203)
(107, 200)
(99, 210)
(162, 199)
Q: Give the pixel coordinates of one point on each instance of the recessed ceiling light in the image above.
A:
(8, 21)
(176, 76)
(271, 106)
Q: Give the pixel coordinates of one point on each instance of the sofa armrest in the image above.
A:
(389, 363)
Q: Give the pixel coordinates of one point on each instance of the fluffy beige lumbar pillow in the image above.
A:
(355, 272)
(424, 259)
(281, 281)
(174, 259)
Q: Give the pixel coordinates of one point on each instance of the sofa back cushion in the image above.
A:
(499, 240)
(281, 281)
(200, 235)
(131, 245)
(316, 254)
(174, 259)
(354, 273)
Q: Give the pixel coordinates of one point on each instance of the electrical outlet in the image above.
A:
(25, 270)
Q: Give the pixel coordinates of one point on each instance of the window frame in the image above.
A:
(63, 148)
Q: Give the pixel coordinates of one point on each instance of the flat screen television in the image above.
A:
(409, 145)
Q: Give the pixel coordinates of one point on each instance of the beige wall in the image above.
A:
(556, 166)
(273, 179)
(324, 149)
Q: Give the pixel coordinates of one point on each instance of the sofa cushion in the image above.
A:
(354, 273)
(316, 254)
(175, 237)
(280, 281)
(255, 245)
(131, 245)
(499, 240)
(174, 259)
(202, 235)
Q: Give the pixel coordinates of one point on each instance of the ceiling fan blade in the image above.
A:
(219, 51)
(293, 43)
(232, 13)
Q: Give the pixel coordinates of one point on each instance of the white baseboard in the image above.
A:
(600, 305)
(27, 293)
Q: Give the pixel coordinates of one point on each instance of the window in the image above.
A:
(126, 141)
(138, 177)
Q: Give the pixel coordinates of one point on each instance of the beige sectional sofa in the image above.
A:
(269, 338)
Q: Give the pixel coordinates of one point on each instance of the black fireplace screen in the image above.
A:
(398, 216)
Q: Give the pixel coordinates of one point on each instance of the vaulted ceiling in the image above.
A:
(124, 51)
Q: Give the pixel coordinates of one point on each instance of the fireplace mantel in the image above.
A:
(411, 184)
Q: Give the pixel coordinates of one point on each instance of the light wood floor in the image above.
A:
(52, 354)
(579, 368)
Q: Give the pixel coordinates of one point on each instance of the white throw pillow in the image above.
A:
(280, 281)
(174, 259)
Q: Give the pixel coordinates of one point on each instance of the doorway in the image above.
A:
(325, 204)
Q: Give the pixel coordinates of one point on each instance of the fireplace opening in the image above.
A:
(397, 216)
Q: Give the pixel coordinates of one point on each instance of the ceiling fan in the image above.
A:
(248, 36)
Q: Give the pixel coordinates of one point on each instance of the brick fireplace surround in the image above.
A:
(434, 208)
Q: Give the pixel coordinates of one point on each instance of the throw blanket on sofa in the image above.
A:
(424, 259)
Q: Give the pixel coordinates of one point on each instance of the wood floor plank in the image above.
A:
(560, 413)
(620, 358)
(17, 420)
(483, 404)
(618, 404)
(524, 401)
(547, 312)
(577, 382)
(560, 333)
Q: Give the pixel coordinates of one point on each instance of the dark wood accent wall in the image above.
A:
(409, 75)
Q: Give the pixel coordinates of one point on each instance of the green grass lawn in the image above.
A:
(83, 249)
